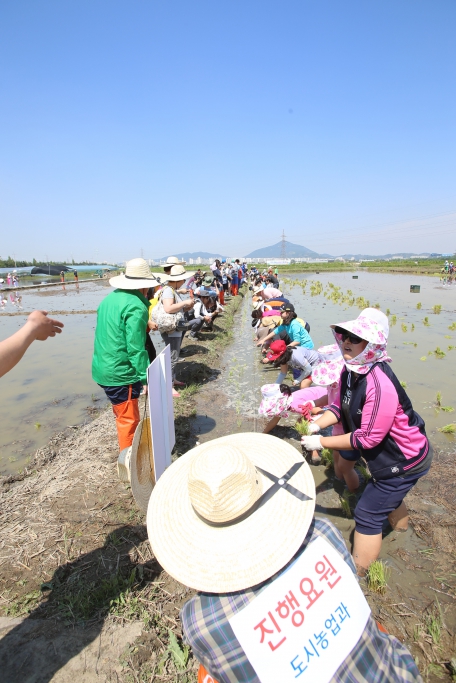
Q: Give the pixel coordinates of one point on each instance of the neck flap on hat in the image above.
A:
(363, 362)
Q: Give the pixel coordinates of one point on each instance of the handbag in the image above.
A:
(166, 322)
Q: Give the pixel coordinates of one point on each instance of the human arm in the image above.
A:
(37, 327)
(135, 322)
(270, 336)
(172, 306)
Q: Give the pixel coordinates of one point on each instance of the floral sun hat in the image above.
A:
(329, 370)
(274, 402)
(372, 326)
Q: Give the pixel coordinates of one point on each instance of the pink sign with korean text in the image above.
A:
(305, 623)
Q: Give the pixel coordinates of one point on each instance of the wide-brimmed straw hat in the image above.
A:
(330, 369)
(177, 273)
(174, 261)
(230, 513)
(142, 475)
(257, 290)
(137, 276)
(371, 325)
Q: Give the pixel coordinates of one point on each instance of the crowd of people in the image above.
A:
(232, 515)
(353, 404)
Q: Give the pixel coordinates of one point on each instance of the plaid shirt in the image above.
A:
(376, 658)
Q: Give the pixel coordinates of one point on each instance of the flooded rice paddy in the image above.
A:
(52, 387)
(422, 346)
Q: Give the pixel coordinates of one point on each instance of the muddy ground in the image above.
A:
(83, 598)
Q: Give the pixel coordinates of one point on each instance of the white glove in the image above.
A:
(311, 443)
(313, 427)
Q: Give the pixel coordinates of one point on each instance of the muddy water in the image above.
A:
(233, 401)
(51, 388)
(244, 373)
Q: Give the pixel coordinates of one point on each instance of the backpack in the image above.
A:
(166, 322)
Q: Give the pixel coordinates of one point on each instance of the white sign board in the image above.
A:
(161, 411)
(305, 623)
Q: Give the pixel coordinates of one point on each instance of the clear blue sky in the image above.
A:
(214, 124)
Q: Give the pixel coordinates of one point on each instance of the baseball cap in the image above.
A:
(288, 307)
(276, 349)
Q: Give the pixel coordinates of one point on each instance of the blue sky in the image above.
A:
(184, 126)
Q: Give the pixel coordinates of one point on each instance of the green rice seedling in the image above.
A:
(436, 309)
(413, 327)
(434, 627)
(452, 326)
(377, 576)
(448, 429)
(388, 312)
(438, 399)
(404, 385)
(327, 458)
(364, 472)
(418, 305)
(423, 358)
(302, 427)
(404, 327)
(451, 348)
(439, 353)
(393, 319)
(447, 409)
(37, 425)
(426, 322)
(376, 305)
(345, 505)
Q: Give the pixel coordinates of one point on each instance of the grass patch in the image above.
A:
(418, 305)
(447, 409)
(426, 322)
(364, 472)
(404, 327)
(377, 576)
(452, 326)
(436, 309)
(439, 353)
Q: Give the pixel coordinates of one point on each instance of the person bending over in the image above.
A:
(298, 358)
(291, 330)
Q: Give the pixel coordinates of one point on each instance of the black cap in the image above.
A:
(287, 307)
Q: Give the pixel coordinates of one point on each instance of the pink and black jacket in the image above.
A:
(386, 430)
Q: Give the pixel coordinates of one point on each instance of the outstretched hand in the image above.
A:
(42, 326)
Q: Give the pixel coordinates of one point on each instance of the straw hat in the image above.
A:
(142, 475)
(174, 261)
(178, 273)
(123, 464)
(258, 290)
(224, 516)
(137, 276)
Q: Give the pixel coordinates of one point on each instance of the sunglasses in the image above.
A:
(352, 338)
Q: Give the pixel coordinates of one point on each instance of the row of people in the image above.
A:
(218, 524)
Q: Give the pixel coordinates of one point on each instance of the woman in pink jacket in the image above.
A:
(379, 422)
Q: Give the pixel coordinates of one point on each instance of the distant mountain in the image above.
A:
(292, 251)
(185, 256)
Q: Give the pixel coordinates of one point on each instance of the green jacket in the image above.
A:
(119, 356)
